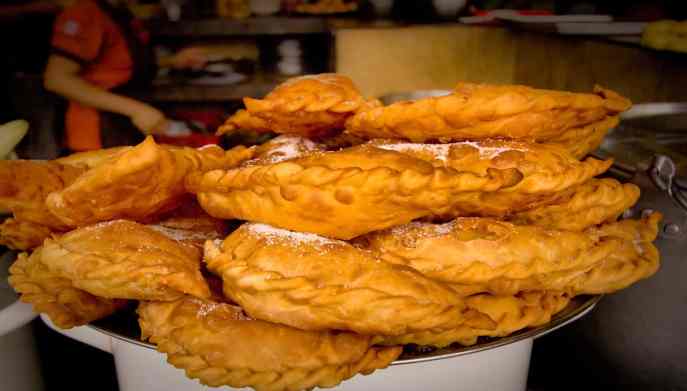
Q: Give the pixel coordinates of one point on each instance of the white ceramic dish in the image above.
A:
(499, 364)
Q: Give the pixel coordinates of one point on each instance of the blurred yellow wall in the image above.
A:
(403, 59)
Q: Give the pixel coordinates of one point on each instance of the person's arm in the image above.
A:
(62, 77)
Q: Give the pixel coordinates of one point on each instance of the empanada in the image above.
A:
(341, 194)
(595, 202)
(140, 182)
(313, 283)
(126, 260)
(480, 111)
(56, 296)
(510, 313)
(219, 345)
(312, 105)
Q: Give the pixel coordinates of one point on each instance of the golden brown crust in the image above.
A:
(509, 313)
(91, 159)
(25, 184)
(474, 251)
(312, 105)
(282, 148)
(635, 258)
(595, 202)
(479, 111)
(22, 235)
(313, 283)
(217, 344)
(137, 183)
(126, 260)
(546, 170)
(190, 224)
(340, 194)
(638, 257)
(55, 296)
(580, 141)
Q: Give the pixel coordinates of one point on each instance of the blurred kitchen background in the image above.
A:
(385, 46)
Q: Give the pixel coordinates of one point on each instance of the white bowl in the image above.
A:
(501, 364)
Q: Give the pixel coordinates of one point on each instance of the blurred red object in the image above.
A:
(194, 140)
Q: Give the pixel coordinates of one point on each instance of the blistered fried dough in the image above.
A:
(635, 258)
(479, 111)
(580, 141)
(474, 251)
(638, 257)
(91, 159)
(284, 147)
(126, 260)
(25, 184)
(22, 235)
(595, 202)
(140, 182)
(55, 296)
(220, 346)
(313, 283)
(340, 194)
(546, 170)
(309, 106)
(190, 224)
(510, 313)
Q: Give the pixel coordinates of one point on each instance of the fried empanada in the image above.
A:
(91, 159)
(638, 257)
(219, 345)
(313, 283)
(474, 251)
(126, 260)
(140, 182)
(595, 202)
(634, 259)
(56, 296)
(510, 313)
(25, 184)
(546, 170)
(22, 235)
(282, 148)
(480, 111)
(581, 141)
(313, 105)
(190, 224)
(341, 194)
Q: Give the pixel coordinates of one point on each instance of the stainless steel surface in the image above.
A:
(648, 110)
(411, 95)
(123, 326)
(635, 338)
(646, 130)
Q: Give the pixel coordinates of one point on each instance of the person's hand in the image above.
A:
(190, 58)
(148, 119)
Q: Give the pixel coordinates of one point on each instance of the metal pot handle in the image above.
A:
(662, 173)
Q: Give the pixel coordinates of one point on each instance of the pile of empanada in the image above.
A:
(431, 222)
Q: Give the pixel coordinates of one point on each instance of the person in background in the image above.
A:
(99, 51)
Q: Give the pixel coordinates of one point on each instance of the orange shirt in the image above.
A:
(88, 35)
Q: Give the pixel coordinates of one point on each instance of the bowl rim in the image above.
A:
(578, 307)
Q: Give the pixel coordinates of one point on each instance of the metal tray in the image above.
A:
(124, 326)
